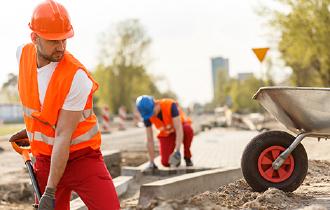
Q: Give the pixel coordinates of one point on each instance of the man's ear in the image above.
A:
(34, 38)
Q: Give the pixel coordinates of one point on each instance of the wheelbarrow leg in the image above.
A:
(284, 155)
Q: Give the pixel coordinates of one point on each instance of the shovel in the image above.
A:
(25, 153)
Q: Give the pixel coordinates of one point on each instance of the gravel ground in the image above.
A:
(239, 195)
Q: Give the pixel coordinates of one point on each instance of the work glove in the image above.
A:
(175, 159)
(20, 138)
(47, 200)
(152, 165)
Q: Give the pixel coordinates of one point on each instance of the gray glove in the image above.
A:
(47, 200)
(175, 159)
(152, 165)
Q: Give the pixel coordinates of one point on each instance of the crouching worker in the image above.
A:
(174, 129)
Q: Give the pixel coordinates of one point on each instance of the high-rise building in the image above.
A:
(219, 64)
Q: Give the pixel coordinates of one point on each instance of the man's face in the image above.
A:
(50, 50)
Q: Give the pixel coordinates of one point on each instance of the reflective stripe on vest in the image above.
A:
(29, 134)
(85, 113)
(168, 129)
(38, 136)
(28, 111)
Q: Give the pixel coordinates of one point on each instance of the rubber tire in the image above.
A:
(249, 161)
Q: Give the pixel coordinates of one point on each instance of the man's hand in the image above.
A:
(47, 201)
(175, 159)
(20, 138)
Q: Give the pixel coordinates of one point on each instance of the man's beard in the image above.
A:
(51, 57)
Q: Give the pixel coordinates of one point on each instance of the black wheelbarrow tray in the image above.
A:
(276, 158)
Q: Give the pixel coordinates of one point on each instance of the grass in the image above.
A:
(8, 129)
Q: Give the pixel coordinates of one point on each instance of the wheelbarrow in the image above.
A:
(25, 151)
(276, 158)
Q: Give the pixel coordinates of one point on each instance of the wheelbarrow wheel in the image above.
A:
(260, 153)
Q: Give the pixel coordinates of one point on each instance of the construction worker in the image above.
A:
(56, 93)
(174, 129)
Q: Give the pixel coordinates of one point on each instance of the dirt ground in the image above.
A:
(133, 158)
(239, 195)
(313, 193)
(18, 195)
(16, 191)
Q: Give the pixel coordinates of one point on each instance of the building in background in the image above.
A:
(10, 108)
(11, 113)
(219, 65)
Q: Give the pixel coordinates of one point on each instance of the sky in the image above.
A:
(185, 35)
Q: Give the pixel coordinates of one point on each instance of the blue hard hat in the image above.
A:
(145, 104)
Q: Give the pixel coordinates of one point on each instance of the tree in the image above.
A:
(122, 70)
(241, 93)
(221, 90)
(305, 40)
(9, 88)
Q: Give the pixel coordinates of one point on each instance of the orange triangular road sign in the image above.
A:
(260, 53)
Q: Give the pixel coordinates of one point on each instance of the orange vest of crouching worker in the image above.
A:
(166, 127)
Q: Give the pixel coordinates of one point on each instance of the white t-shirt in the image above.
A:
(80, 88)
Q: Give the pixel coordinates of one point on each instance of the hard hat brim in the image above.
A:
(147, 116)
(56, 36)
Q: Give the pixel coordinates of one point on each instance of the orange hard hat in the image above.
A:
(51, 21)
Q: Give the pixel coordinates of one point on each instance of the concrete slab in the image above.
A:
(135, 172)
(167, 171)
(77, 204)
(172, 171)
(121, 184)
(112, 159)
(186, 185)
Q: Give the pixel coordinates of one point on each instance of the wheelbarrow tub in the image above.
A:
(299, 109)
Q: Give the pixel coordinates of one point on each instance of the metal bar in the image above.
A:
(284, 155)
(33, 179)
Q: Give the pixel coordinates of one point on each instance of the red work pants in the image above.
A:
(167, 144)
(87, 175)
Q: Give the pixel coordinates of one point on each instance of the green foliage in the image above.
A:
(238, 94)
(9, 89)
(122, 72)
(241, 93)
(222, 85)
(305, 40)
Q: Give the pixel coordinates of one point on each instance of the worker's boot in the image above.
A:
(188, 162)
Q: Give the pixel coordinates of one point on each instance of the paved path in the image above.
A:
(218, 148)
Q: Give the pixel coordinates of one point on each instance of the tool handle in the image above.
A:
(33, 179)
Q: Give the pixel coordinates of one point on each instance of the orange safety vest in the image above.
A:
(41, 121)
(165, 126)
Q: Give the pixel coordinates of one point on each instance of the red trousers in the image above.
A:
(167, 144)
(87, 175)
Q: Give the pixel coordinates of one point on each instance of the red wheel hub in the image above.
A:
(265, 160)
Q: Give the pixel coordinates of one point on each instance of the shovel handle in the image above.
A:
(25, 153)
(33, 179)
